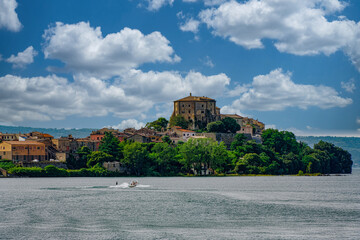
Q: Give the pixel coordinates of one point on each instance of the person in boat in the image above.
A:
(133, 183)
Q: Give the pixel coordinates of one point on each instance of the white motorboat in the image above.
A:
(133, 183)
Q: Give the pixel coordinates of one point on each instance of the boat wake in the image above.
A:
(126, 185)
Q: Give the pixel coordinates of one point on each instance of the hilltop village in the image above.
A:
(41, 149)
(196, 140)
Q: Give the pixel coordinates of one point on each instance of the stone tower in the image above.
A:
(199, 111)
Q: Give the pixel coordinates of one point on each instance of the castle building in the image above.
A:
(199, 111)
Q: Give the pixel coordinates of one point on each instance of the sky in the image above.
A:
(292, 64)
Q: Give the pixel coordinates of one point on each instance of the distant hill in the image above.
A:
(56, 132)
(351, 144)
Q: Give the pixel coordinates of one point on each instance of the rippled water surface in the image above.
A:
(278, 207)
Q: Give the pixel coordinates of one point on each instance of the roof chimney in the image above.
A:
(190, 94)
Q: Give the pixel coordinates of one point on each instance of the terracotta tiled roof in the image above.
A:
(23, 143)
(232, 115)
(185, 130)
(194, 98)
(47, 135)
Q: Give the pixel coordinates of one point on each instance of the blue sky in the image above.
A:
(292, 64)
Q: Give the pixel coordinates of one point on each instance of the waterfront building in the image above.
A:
(22, 151)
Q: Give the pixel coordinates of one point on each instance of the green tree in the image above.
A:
(111, 145)
(217, 127)
(98, 157)
(166, 158)
(80, 160)
(179, 121)
(52, 171)
(282, 142)
(204, 153)
(340, 159)
(6, 164)
(239, 140)
(230, 125)
(158, 125)
(291, 163)
(166, 139)
(220, 160)
(136, 157)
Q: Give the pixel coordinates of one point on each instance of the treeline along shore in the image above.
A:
(278, 154)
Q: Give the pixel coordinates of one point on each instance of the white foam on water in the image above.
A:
(123, 185)
(126, 185)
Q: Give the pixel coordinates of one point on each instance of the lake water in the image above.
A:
(278, 207)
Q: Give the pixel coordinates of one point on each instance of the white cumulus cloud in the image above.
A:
(23, 58)
(53, 97)
(207, 2)
(276, 91)
(160, 86)
(129, 123)
(349, 86)
(129, 96)
(155, 5)
(8, 17)
(297, 27)
(83, 49)
(191, 25)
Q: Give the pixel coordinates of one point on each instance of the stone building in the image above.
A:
(247, 125)
(22, 151)
(199, 111)
(9, 136)
(182, 134)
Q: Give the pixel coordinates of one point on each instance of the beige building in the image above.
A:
(9, 136)
(248, 125)
(22, 151)
(182, 134)
(199, 111)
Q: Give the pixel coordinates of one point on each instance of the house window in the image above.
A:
(189, 105)
(202, 105)
(183, 105)
(202, 112)
(189, 111)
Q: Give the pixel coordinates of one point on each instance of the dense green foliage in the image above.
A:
(80, 160)
(98, 157)
(279, 153)
(159, 125)
(179, 121)
(226, 125)
(6, 164)
(230, 125)
(217, 127)
(111, 145)
(350, 144)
